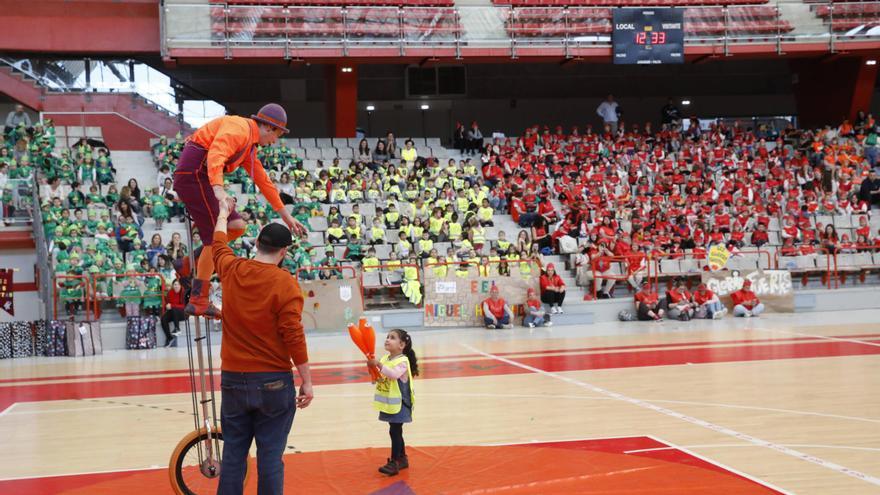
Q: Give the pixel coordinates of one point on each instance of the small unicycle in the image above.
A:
(194, 468)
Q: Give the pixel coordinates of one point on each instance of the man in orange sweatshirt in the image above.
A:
(217, 148)
(262, 335)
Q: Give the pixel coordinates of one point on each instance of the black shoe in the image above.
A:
(402, 462)
(171, 342)
(390, 468)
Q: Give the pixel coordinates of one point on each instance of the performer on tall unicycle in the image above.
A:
(217, 148)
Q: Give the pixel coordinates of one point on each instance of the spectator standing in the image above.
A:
(608, 110)
(459, 138)
(869, 191)
(17, 117)
(474, 139)
(745, 302)
(496, 312)
(174, 303)
(670, 113)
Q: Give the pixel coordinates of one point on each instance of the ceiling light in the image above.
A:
(346, 69)
(370, 108)
(425, 107)
(685, 102)
(871, 62)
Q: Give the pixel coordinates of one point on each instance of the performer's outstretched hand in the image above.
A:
(293, 224)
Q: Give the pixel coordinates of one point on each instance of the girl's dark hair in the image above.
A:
(408, 350)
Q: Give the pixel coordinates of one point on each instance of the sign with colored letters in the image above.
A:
(6, 291)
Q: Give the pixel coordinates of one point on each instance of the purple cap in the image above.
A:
(274, 115)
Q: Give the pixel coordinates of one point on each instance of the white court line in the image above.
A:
(109, 471)
(162, 406)
(740, 445)
(690, 419)
(715, 463)
(8, 409)
(823, 337)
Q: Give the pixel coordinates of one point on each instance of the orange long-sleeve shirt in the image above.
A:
(262, 314)
(231, 143)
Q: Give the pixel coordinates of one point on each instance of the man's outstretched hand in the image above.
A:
(225, 208)
(293, 224)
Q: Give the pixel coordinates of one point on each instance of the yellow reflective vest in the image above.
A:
(387, 398)
(370, 263)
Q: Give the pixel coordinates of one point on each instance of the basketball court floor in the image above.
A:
(785, 403)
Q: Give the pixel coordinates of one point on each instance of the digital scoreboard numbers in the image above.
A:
(648, 36)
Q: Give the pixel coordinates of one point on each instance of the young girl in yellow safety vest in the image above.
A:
(411, 286)
(395, 395)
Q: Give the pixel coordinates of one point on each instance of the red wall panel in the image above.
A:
(96, 26)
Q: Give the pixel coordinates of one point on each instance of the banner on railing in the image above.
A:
(6, 291)
(455, 300)
(331, 304)
(718, 256)
(773, 287)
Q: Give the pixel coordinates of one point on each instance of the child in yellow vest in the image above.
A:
(440, 271)
(485, 214)
(395, 396)
(335, 234)
(494, 261)
(411, 286)
(404, 247)
(454, 232)
(425, 245)
(502, 243)
(377, 233)
(371, 261)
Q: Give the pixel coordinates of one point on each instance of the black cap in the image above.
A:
(275, 235)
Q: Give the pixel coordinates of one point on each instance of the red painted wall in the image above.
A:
(341, 100)
(119, 134)
(73, 26)
(829, 91)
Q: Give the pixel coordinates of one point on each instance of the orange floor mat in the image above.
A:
(580, 467)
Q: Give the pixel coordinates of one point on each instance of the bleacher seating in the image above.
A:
(436, 21)
(845, 17)
(338, 3)
(572, 21)
(624, 3)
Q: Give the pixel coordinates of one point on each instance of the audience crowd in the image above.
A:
(622, 190)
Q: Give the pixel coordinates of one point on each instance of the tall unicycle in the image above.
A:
(194, 468)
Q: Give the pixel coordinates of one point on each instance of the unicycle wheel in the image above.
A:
(190, 477)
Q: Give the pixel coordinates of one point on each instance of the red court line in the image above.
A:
(454, 356)
(480, 367)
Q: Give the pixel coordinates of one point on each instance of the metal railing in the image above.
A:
(231, 30)
(16, 201)
(99, 297)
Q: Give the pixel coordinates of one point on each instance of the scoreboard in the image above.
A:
(648, 36)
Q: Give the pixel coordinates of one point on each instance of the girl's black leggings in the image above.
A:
(398, 448)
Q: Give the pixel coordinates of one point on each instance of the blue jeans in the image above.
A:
(256, 406)
(504, 320)
(740, 310)
(537, 320)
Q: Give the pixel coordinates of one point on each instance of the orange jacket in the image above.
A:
(231, 142)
